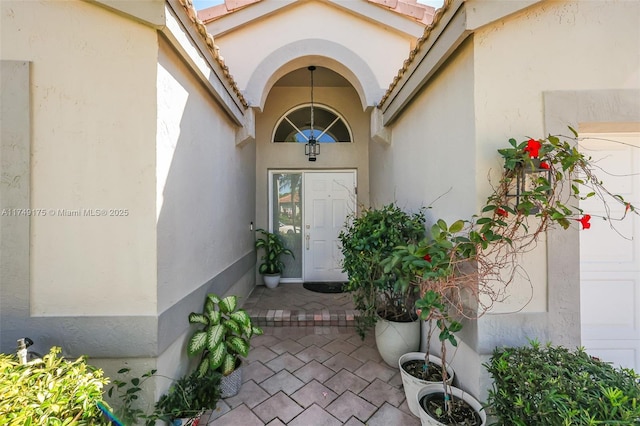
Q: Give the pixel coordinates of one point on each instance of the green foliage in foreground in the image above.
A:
(547, 385)
(189, 396)
(50, 392)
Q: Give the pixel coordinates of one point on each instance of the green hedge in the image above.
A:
(50, 392)
(547, 385)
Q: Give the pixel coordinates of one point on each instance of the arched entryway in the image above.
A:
(309, 201)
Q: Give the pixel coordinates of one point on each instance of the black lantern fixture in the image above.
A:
(312, 148)
(528, 178)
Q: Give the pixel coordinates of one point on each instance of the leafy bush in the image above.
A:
(366, 241)
(50, 392)
(536, 385)
(127, 391)
(189, 396)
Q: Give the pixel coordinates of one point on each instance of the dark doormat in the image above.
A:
(326, 287)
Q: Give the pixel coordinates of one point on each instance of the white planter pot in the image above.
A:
(271, 280)
(427, 420)
(412, 384)
(394, 339)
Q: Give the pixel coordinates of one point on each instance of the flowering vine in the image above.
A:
(541, 185)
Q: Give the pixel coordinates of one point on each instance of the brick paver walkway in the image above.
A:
(313, 375)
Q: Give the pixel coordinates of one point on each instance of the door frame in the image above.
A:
(270, 206)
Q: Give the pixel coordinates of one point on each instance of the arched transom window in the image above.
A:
(328, 125)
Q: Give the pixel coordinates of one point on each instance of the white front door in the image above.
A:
(329, 197)
(610, 258)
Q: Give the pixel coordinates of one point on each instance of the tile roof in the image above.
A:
(410, 8)
(191, 12)
(421, 41)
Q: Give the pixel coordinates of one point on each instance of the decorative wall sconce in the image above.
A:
(528, 178)
(312, 147)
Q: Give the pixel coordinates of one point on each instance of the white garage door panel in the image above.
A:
(615, 307)
(626, 355)
(610, 257)
(621, 252)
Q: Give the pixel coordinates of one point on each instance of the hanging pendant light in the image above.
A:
(312, 148)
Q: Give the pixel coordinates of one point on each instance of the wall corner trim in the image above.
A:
(379, 132)
(246, 133)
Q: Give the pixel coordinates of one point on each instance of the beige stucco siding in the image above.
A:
(553, 46)
(92, 148)
(431, 154)
(205, 185)
(383, 51)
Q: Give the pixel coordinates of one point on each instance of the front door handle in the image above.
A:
(307, 238)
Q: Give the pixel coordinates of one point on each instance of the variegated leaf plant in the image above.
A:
(224, 334)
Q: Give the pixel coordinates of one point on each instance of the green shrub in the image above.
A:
(366, 241)
(127, 390)
(189, 396)
(50, 392)
(536, 385)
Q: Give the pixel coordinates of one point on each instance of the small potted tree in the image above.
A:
(223, 337)
(382, 300)
(272, 265)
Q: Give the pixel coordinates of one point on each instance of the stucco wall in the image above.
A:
(202, 177)
(430, 158)
(92, 151)
(116, 123)
(383, 51)
(552, 46)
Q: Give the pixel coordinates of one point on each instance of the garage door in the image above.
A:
(610, 257)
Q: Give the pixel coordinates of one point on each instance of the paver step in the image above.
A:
(301, 318)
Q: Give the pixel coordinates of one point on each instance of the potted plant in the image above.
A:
(188, 398)
(223, 336)
(382, 300)
(462, 269)
(272, 266)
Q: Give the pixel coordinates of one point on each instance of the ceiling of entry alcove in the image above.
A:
(322, 77)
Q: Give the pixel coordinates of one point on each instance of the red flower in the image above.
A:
(533, 146)
(427, 257)
(585, 221)
(545, 165)
(627, 207)
(502, 212)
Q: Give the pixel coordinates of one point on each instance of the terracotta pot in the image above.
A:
(412, 384)
(394, 339)
(427, 420)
